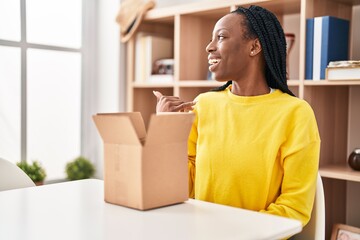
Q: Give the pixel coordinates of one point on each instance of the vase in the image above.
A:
(354, 159)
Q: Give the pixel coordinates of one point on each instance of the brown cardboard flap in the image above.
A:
(169, 128)
(116, 128)
(136, 120)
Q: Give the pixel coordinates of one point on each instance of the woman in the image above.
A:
(253, 144)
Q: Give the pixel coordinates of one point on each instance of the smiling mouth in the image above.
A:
(213, 64)
(213, 61)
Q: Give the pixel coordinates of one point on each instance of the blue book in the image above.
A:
(309, 48)
(331, 43)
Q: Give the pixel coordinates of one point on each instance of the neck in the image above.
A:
(254, 81)
(250, 86)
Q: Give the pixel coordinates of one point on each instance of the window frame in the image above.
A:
(87, 52)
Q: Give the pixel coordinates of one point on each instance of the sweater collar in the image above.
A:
(253, 99)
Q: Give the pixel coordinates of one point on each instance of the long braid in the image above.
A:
(223, 87)
(262, 24)
(266, 28)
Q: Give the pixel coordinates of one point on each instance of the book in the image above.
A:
(161, 78)
(343, 70)
(330, 43)
(349, 63)
(149, 49)
(309, 48)
(343, 73)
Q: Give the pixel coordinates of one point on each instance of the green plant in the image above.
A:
(79, 168)
(35, 171)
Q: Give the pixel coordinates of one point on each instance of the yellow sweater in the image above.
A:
(259, 153)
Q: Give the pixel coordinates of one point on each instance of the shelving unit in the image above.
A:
(335, 103)
(340, 171)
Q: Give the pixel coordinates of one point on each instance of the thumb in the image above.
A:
(157, 94)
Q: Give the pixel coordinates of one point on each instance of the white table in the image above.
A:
(76, 210)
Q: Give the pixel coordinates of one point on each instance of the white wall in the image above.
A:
(108, 56)
(103, 91)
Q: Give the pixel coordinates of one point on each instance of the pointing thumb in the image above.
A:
(157, 94)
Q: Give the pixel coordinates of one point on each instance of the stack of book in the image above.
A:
(149, 50)
(343, 70)
(327, 39)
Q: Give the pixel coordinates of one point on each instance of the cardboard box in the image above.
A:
(145, 170)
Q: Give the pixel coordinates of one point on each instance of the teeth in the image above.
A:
(213, 61)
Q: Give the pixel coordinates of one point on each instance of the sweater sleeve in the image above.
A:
(192, 156)
(300, 160)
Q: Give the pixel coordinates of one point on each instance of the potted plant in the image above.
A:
(34, 170)
(79, 168)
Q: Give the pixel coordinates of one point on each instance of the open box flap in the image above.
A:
(116, 128)
(136, 120)
(169, 128)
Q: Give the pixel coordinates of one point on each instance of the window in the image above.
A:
(10, 108)
(41, 82)
(10, 20)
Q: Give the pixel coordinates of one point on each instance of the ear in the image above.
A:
(255, 47)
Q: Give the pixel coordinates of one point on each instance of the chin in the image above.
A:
(221, 79)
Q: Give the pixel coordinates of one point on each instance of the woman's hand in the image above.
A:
(172, 104)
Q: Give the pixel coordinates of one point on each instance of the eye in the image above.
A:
(220, 37)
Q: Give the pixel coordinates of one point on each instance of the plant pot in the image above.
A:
(39, 183)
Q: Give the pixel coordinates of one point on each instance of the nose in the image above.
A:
(210, 47)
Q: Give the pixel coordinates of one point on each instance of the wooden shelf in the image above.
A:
(293, 82)
(200, 83)
(152, 85)
(219, 7)
(340, 171)
(331, 82)
(210, 83)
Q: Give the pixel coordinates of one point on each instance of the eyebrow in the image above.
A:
(220, 29)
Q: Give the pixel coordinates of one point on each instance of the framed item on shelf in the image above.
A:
(345, 232)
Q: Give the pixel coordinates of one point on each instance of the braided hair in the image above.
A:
(263, 24)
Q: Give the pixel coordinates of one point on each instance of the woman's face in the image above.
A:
(229, 51)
